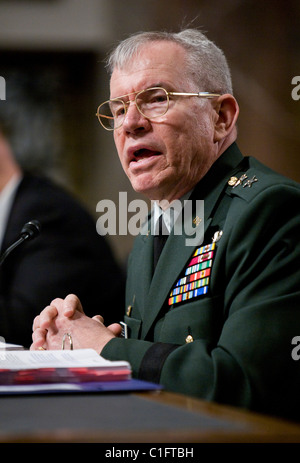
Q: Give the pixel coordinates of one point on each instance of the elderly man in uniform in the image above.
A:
(214, 320)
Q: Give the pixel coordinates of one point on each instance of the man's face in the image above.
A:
(165, 157)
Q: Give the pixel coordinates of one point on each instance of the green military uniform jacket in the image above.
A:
(233, 342)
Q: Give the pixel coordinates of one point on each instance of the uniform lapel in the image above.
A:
(176, 253)
(142, 270)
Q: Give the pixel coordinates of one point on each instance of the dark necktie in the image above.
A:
(159, 240)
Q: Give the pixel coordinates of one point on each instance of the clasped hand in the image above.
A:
(67, 316)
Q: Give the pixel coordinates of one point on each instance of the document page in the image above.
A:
(86, 358)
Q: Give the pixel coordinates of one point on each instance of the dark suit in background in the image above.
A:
(68, 257)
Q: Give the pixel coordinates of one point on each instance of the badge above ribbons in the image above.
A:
(197, 275)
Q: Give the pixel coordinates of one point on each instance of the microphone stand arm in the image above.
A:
(11, 248)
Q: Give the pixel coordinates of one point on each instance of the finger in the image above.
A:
(47, 316)
(115, 328)
(37, 346)
(36, 323)
(98, 319)
(57, 302)
(39, 338)
(71, 304)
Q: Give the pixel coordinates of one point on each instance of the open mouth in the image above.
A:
(144, 153)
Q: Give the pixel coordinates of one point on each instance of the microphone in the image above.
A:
(29, 231)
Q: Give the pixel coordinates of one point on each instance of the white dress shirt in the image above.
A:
(170, 214)
(7, 196)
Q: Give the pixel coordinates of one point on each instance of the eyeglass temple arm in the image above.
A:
(200, 94)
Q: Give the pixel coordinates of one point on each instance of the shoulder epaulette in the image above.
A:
(254, 180)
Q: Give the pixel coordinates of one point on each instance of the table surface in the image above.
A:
(156, 416)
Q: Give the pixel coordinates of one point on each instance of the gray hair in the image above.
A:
(206, 63)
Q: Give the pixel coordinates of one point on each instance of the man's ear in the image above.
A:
(226, 112)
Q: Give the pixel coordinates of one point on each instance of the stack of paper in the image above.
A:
(63, 366)
(5, 346)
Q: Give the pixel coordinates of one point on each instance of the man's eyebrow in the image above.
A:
(160, 84)
(164, 85)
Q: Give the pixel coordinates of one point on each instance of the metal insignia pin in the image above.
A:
(250, 181)
(217, 236)
(197, 221)
(232, 181)
(240, 181)
(129, 309)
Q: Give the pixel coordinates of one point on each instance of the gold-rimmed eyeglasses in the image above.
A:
(151, 103)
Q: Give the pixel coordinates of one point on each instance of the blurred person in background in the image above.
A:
(68, 255)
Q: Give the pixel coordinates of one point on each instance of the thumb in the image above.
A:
(115, 328)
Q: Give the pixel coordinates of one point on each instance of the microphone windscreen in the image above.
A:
(31, 229)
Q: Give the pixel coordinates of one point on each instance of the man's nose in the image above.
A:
(134, 120)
